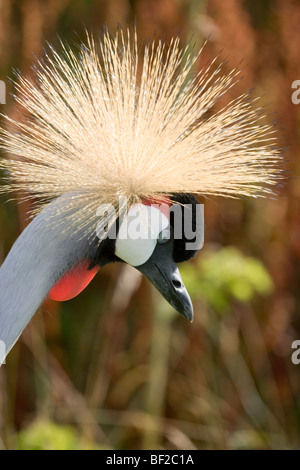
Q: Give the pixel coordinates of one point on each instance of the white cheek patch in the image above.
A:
(138, 233)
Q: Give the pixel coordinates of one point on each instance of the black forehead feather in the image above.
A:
(180, 253)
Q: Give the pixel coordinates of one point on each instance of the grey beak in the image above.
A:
(164, 274)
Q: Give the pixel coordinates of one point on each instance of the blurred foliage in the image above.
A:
(116, 367)
(46, 435)
(261, 12)
(226, 275)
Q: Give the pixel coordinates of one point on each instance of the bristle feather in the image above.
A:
(109, 123)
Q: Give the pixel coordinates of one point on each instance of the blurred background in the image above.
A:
(117, 368)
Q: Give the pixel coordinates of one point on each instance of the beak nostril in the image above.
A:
(176, 283)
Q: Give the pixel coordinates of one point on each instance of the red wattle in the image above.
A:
(164, 204)
(73, 282)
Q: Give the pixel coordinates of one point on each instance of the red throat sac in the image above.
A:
(73, 282)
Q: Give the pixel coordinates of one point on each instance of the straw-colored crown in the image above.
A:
(116, 121)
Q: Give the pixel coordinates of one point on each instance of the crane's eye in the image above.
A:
(164, 236)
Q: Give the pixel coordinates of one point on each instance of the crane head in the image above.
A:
(152, 237)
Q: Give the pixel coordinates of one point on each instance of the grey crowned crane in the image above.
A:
(136, 136)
